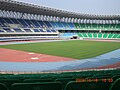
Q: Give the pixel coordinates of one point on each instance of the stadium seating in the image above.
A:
(17, 30)
(7, 30)
(84, 80)
(38, 80)
(27, 30)
(25, 26)
(87, 86)
(4, 22)
(99, 35)
(115, 77)
(67, 34)
(64, 81)
(22, 21)
(9, 82)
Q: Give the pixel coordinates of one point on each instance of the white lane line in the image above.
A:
(34, 58)
(31, 53)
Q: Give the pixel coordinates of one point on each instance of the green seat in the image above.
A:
(3, 87)
(37, 80)
(105, 35)
(77, 26)
(82, 26)
(64, 81)
(115, 77)
(9, 82)
(80, 35)
(37, 86)
(118, 36)
(115, 85)
(99, 35)
(89, 35)
(115, 35)
(95, 35)
(110, 35)
(85, 35)
(87, 86)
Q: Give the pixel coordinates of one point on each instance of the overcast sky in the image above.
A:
(82, 6)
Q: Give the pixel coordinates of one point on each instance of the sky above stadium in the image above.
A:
(82, 6)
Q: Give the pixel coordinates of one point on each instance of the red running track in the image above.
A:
(9, 55)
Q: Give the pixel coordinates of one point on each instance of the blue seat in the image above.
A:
(17, 30)
(48, 24)
(8, 20)
(23, 23)
(53, 30)
(41, 30)
(36, 24)
(1, 31)
(48, 30)
(7, 29)
(27, 30)
(41, 24)
(36, 30)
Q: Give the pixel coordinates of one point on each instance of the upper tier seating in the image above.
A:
(17, 30)
(15, 25)
(7, 30)
(50, 28)
(25, 23)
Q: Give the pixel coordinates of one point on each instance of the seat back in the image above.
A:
(9, 82)
(64, 81)
(115, 85)
(37, 80)
(115, 77)
(37, 86)
(3, 87)
(87, 85)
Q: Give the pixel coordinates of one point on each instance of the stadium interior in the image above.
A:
(27, 22)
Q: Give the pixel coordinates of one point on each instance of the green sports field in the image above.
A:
(73, 49)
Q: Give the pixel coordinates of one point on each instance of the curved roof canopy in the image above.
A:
(10, 5)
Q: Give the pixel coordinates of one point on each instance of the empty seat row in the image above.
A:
(85, 80)
(72, 85)
(17, 30)
(99, 35)
(25, 23)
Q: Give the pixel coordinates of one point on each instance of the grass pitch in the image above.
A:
(73, 49)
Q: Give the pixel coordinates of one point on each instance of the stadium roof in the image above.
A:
(10, 5)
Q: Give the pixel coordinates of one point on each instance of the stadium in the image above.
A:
(43, 48)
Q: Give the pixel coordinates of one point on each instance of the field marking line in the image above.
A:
(31, 53)
(34, 58)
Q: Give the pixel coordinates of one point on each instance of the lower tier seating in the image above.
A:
(99, 35)
(92, 35)
(84, 80)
